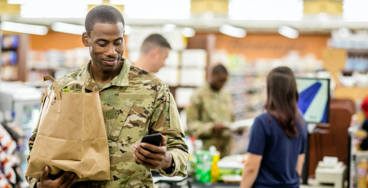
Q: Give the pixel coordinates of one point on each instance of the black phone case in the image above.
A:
(154, 139)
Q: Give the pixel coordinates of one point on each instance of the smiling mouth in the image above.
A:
(110, 61)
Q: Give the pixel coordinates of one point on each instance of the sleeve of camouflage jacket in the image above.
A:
(196, 126)
(32, 181)
(165, 120)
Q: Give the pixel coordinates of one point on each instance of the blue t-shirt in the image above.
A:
(280, 153)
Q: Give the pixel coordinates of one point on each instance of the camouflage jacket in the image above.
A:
(134, 104)
(208, 107)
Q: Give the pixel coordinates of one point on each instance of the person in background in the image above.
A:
(153, 54)
(210, 112)
(134, 103)
(278, 137)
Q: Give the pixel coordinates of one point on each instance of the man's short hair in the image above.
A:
(153, 41)
(102, 14)
(219, 69)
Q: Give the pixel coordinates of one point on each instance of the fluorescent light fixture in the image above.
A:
(188, 32)
(288, 32)
(355, 10)
(118, 2)
(68, 28)
(56, 8)
(233, 31)
(168, 28)
(24, 28)
(157, 9)
(265, 9)
(128, 30)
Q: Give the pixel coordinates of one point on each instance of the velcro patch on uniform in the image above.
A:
(134, 95)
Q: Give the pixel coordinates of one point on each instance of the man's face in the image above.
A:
(218, 81)
(106, 45)
(159, 57)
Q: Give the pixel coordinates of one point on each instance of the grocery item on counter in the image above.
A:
(215, 172)
(203, 166)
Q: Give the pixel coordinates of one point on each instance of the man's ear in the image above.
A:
(155, 53)
(85, 39)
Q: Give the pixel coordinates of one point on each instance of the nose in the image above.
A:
(111, 50)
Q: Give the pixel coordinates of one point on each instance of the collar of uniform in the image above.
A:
(122, 79)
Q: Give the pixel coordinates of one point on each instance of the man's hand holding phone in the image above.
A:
(152, 152)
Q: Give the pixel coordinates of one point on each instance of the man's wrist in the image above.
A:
(168, 162)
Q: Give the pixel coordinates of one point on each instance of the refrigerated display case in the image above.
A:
(23, 103)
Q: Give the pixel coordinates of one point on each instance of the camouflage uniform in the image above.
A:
(207, 108)
(135, 103)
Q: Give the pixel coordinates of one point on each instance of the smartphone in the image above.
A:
(154, 139)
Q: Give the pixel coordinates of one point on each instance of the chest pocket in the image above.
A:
(131, 122)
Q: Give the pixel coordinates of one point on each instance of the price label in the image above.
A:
(326, 6)
(216, 6)
(9, 8)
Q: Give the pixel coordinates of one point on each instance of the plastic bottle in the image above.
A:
(362, 173)
(215, 172)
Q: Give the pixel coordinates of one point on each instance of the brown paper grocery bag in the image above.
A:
(71, 136)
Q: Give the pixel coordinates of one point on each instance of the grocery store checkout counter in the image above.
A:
(229, 169)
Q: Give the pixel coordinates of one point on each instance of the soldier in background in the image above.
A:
(154, 51)
(210, 113)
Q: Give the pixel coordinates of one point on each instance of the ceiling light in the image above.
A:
(233, 31)
(265, 10)
(288, 32)
(24, 28)
(68, 28)
(128, 30)
(118, 2)
(168, 28)
(188, 32)
(149, 9)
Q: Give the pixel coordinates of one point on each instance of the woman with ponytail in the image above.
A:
(277, 139)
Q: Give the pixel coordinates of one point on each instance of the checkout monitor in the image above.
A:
(314, 99)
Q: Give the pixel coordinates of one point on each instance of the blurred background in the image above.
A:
(316, 38)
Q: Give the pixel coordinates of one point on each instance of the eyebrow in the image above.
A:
(104, 40)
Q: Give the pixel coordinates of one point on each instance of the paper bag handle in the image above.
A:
(56, 86)
(77, 82)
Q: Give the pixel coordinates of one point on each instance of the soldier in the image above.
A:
(210, 112)
(134, 103)
(154, 51)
